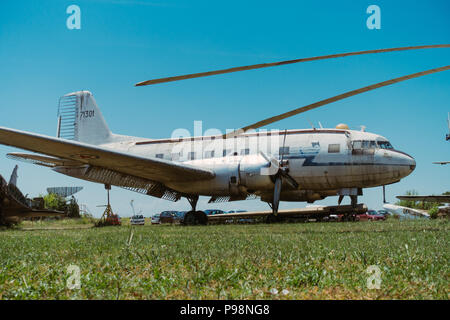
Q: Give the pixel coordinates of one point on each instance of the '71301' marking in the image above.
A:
(87, 114)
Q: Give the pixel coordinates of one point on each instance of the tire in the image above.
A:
(189, 218)
(201, 218)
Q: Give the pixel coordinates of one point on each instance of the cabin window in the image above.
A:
(209, 154)
(334, 148)
(160, 155)
(191, 156)
(245, 152)
(226, 152)
(176, 156)
(357, 144)
(284, 150)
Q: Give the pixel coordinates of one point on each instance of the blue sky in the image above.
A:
(124, 42)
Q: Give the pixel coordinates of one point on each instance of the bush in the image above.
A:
(434, 212)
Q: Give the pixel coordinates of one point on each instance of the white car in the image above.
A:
(155, 219)
(137, 220)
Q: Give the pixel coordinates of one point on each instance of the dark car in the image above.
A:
(210, 212)
(168, 216)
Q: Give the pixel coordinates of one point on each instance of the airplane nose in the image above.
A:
(412, 164)
(405, 161)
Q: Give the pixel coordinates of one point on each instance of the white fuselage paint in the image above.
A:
(322, 162)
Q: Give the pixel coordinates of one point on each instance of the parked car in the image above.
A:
(180, 216)
(168, 216)
(113, 220)
(210, 212)
(383, 212)
(236, 211)
(155, 219)
(371, 215)
(137, 220)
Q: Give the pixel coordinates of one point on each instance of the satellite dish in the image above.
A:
(64, 191)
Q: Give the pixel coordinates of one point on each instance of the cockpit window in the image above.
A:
(371, 144)
(385, 145)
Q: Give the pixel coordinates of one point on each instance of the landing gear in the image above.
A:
(194, 217)
(274, 217)
(354, 201)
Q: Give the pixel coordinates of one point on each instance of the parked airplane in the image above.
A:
(405, 212)
(444, 210)
(14, 206)
(286, 165)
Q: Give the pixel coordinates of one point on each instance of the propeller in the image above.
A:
(281, 63)
(280, 174)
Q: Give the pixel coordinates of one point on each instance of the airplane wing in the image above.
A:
(441, 162)
(441, 198)
(149, 168)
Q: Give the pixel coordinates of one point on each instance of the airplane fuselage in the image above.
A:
(322, 161)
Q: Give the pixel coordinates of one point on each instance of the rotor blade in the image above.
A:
(294, 112)
(281, 63)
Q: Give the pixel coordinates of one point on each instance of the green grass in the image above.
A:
(307, 260)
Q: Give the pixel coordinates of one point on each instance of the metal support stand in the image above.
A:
(108, 213)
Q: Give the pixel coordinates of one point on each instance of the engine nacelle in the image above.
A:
(254, 173)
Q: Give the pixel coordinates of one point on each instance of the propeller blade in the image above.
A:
(348, 94)
(281, 63)
(291, 181)
(276, 195)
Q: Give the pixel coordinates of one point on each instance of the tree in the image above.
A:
(53, 201)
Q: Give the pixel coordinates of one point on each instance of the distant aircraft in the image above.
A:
(280, 165)
(445, 209)
(14, 206)
(405, 212)
(447, 137)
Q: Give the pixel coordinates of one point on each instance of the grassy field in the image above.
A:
(277, 261)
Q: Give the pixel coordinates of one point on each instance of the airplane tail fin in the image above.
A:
(80, 119)
(13, 179)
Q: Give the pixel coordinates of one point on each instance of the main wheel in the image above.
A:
(201, 218)
(195, 218)
(189, 218)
